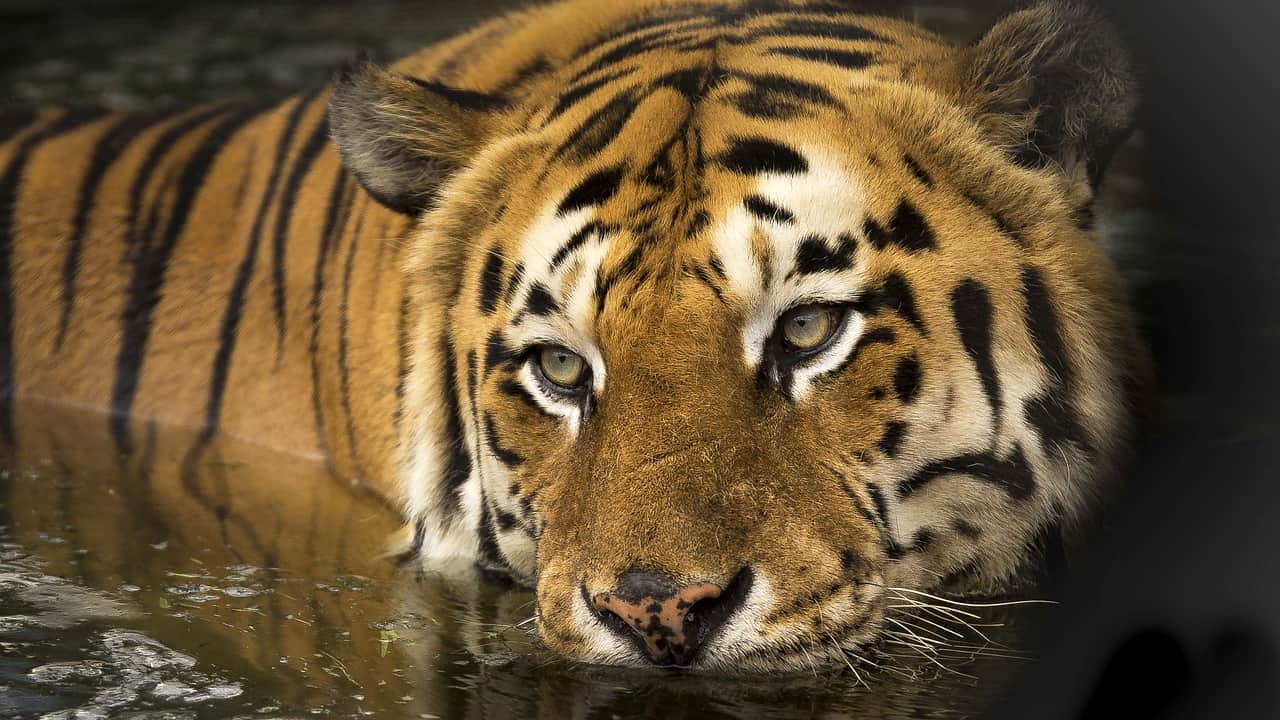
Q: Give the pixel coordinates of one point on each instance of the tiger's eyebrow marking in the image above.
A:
(540, 301)
(815, 254)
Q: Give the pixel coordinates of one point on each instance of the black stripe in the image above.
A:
(603, 286)
(646, 40)
(846, 59)
(242, 187)
(923, 540)
(344, 348)
(1013, 474)
(908, 230)
(835, 28)
(754, 155)
(496, 352)
(506, 521)
(234, 310)
(10, 183)
(1002, 225)
(159, 148)
(472, 390)
(701, 219)
(648, 26)
(575, 242)
(596, 189)
(599, 129)
(457, 468)
(540, 301)
(490, 553)
(705, 279)
(415, 546)
(244, 274)
(150, 268)
(906, 379)
(765, 210)
(577, 93)
(689, 82)
(815, 256)
(338, 211)
(109, 147)
(777, 96)
(513, 284)
(917, 171)
(284, 211)
(892, 438)
(877, 501)
(510, 458)
(974, 316)
(969, 570)
(402, 357)
(717, 267)
(894, 295)
(853, 498)
(469, 99)
(491, 281)
(1051, 412)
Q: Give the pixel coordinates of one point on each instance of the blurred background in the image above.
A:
(1171, 608)
(130, 53)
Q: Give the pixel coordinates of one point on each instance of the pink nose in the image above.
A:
(668, 625)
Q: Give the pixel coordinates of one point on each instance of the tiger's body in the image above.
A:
(153, 274)
(652, 200)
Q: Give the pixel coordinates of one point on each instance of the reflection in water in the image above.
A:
(258, 584)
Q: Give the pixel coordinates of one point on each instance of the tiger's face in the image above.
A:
(715, 361)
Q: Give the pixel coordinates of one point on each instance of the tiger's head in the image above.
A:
(724, 320)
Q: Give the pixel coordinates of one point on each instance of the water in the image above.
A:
(256, 585)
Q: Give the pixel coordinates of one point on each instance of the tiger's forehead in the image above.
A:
(752, 227)
(703, 170)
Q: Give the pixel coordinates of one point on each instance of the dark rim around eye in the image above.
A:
(839, 314)
(579, 388)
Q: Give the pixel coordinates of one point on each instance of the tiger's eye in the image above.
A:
(562, 367)
(808, 327)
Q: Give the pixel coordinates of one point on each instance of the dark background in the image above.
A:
(1171, 610)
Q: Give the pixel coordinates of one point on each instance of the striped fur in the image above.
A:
(652, 185)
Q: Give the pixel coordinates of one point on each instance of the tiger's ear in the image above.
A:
(402, 137)
(1053, 83)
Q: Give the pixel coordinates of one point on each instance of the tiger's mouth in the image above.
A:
(741, 626)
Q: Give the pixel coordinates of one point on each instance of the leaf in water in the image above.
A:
(385, 638)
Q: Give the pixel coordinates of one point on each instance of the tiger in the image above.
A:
(720, 324)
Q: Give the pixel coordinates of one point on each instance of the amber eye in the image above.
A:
(809, 327)
(562, 367)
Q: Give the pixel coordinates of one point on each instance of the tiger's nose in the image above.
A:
(669, 623)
